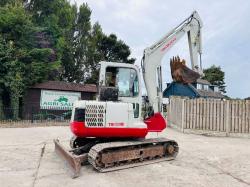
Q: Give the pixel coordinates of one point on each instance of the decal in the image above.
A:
(116, 124)
(168, 44)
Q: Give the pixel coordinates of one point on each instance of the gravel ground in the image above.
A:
(28, 159)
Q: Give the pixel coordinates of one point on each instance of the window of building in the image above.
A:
(199, 86)
(205, 87)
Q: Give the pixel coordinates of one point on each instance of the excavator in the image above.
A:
(110, 132)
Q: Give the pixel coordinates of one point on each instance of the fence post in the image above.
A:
(32, 114)
(227, 118)
(182, 114)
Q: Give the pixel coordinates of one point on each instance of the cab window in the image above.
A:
(125, 79)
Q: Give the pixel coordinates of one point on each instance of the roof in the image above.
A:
(205, 93)
(203, 81)
(66, 86)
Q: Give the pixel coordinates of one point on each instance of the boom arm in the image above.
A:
(151, 61)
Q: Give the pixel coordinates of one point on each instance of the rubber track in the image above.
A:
(96, 150)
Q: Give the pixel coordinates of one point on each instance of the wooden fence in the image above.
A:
(228, 116)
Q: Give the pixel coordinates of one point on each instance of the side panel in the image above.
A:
(117, 115)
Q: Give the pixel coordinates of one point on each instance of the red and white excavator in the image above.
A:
(110, 133)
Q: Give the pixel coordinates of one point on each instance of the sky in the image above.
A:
(225, 32)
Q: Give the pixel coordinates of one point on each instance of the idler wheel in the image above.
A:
(170, 149)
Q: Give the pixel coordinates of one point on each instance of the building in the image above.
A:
(201, 88)
(54, 99)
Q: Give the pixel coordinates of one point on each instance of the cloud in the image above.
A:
(225, 33)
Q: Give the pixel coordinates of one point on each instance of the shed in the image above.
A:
(54, 98)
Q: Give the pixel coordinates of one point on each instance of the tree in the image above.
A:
(94, 55)
(87, 46)
(215, 76)
(114, 50)
(57, 20)
(21, 63)
(5, 2)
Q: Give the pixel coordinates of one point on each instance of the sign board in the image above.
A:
(58, 100)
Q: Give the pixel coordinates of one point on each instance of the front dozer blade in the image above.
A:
(74, 162)
(181, 73)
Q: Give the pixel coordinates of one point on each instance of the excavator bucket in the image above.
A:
(73, 162)
(181, 73)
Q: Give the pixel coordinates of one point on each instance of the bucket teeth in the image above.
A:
(181, 73)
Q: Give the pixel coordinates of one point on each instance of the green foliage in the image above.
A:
(15, 25)
(113, 50)
(105, 48)
(215, 76)
(10, 2)
(21, 63)
(86, 45)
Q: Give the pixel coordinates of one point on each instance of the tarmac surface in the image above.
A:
(28, 159)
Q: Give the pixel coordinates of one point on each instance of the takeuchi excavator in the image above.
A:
(110, 133)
